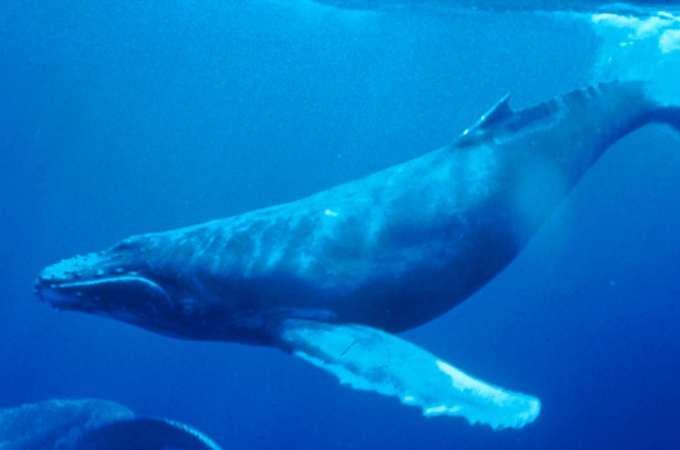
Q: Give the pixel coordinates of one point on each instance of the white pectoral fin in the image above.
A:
(370, 359)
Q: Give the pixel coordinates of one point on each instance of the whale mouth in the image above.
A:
(106, 294)
(104, 282)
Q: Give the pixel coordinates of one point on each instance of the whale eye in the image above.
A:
(190, 307)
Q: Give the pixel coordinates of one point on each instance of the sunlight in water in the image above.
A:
(640, 48)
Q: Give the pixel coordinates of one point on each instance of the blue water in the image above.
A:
(124, 118)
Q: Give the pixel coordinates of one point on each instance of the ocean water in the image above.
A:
(125, 118)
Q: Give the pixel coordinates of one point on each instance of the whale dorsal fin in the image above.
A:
(499, 113)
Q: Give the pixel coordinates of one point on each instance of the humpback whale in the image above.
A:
(333, 278)
(92, 424)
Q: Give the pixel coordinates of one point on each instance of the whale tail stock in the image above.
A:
(622, 107)
(596, 116)
(669, 115)
(652, 107)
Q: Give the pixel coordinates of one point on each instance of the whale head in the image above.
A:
(133, 282)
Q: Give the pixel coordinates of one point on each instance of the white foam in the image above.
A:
(640, 48)
(670, 41)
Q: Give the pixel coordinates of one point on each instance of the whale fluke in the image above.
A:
(370, 359)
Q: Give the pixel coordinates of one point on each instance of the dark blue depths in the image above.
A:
(123, 119)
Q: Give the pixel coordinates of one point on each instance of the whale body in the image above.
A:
(331, 278)
(92, 424)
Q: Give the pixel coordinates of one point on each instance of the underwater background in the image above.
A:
(120, 118)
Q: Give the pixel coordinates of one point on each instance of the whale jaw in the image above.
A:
(104, 284)
(103, 293)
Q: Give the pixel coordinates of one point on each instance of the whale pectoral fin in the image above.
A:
(370, 359)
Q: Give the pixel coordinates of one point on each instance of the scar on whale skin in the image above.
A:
(333, 277)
